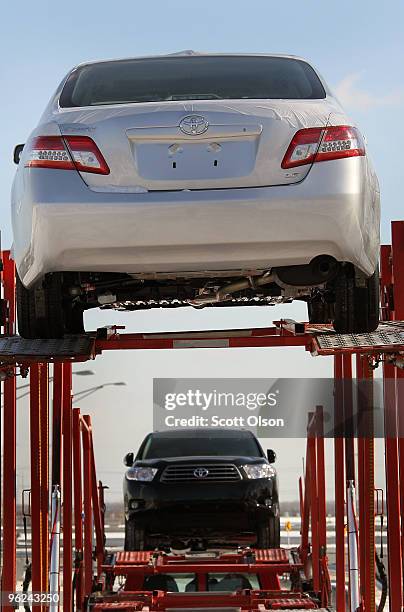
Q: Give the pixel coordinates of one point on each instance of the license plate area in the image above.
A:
(204, 160)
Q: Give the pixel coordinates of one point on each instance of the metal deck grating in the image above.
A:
(387, 337)
(273, 555)
(20, 349)
(133, 557)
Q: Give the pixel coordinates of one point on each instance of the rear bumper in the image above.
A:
(62, 225)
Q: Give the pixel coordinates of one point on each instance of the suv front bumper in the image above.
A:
(178, 509)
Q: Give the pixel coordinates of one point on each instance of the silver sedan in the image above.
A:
(194, 179)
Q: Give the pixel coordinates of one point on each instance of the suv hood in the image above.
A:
(198, 459)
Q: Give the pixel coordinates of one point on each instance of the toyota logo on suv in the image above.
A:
(201, 472)
(193, 125)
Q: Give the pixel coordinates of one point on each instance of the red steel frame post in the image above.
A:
(395, 567)
(44, 470)
(322, 524)
(347, 393)
(99, 532)
(348, 417)
(39, 425)
(361, 485)
(92, 508)
(78, 507)
(67, 487)
(35, 434)
(57, 424)
(88, 522)
(393, 490)
(366, 481)
(339, 473)
(312, 458)
(305, 511)
(8, 577)
(322, 528)
(397, 232)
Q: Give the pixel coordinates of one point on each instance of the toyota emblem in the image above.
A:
(193, 125)
(201, 473)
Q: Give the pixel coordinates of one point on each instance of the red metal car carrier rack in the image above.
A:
(88, 572)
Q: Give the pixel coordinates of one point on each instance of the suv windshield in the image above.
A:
(191, 78)
(156, 447)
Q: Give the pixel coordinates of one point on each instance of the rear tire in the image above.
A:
(357, 302)
(135, 538)
(269, 534)
(42, 311)
(28, 324)
(320, 311)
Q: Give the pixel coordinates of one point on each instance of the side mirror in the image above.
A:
(271, 455)
(17, 153)
(129, 459)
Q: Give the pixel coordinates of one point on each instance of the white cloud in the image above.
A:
(351, 94)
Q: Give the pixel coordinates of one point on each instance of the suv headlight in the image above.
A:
(259, 470)
(142, 474)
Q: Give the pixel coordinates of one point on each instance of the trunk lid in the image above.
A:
(198, 145)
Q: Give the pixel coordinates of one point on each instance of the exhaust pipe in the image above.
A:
(225, 292)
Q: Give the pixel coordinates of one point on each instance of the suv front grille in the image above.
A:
(201, 472)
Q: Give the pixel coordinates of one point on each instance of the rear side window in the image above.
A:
(191, 78)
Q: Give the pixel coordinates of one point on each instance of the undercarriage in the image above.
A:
(335, 292)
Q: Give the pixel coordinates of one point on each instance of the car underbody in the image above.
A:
(56, 305)
(136, 292)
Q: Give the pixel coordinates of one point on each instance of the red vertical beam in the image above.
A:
(349, 430)
(361, 487)
(339, 487)
(98, 521)
(44, 471)
(386, 283)
(322, 528)
(397, 233)
(36, 523)
(393, 490)
(67, 487)
(312, 457)
(8, 579)
(322, 525)
(78, 506)
(57, 424)
(305, 511)
(88, 523)
(348, 417)
(367, 486)
(395, 556)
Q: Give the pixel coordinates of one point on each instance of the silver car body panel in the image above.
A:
(167, 207)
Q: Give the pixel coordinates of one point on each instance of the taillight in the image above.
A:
(322, 144)
(86, 155)
(67, 153)
(49, 152)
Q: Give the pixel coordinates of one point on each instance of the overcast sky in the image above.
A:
(357, 46)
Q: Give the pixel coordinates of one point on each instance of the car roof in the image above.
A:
(203, 433)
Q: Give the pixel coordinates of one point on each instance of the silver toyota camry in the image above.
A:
(194, 180)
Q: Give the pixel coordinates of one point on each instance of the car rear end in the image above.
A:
(182, 165)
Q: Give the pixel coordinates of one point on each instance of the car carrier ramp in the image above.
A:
(317, 339)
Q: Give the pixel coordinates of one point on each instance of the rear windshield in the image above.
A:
(191, 78)
(158, 447)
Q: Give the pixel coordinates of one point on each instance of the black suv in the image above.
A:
(206, 485)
